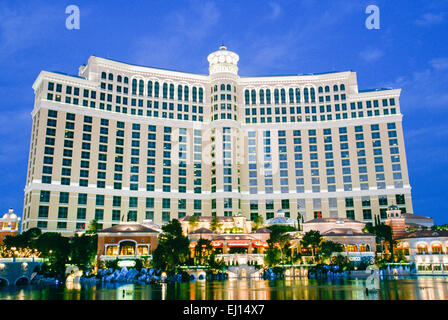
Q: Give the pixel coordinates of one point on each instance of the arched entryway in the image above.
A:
(127, 247)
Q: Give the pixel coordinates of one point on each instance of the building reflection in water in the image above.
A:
(433, 288)
(413, 288)
(164, 285)
(126, 292)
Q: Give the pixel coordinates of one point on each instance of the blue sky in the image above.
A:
(409, 51)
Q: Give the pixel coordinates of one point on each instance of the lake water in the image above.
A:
(392, 288)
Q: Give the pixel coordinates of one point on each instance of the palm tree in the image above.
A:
(282, 241)
(258, 222)
(193, 222)
(94, 226)
(215, 225)
(327, 248)
(312, 240)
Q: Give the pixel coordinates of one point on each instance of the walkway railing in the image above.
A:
(122, 257)
(3, 260)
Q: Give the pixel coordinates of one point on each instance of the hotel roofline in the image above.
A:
(144, 71)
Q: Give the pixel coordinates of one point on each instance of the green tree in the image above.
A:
(311, 240)
(272, 257)
(280, 229)
(94, 226)
(215, 225)
(193, 222)
(202, 250)
(258, 222)
(23, 240)
(83, 250)
(382, 232)
(280, 239)
(327, 248)
(55, 247)
(343, 262)
(173, 247)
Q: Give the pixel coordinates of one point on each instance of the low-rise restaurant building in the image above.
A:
(356, 243)
(427, 249)
(233, 235)
(127, 240)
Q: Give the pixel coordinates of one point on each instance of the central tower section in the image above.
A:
(224, 132)
(223, 61)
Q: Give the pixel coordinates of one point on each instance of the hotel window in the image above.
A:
(62, 212)
(81, 213)
(63, 197)
(367, 214)
(44, 196)
(149, 215)
(349, 202)
(82, 198)
(116, 201)
(166, 203)
(43, 211)
(276, 96)
(165, 217)
(253, 96)
(99, 214)
(116, 215)
(62, 225)
(350, 214)
(366, 201)
(132, 215)
(306, 95)
(42, 224)
(400, 199)
(99, 200)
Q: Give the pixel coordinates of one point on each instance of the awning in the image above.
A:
(217, 244)
(259, 243)
(238, 243)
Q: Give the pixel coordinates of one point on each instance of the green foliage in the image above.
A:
(78, 250)
(312, 240)
(216, 264)
(382, 232)
(83, 250)
(24, 240)
(55, 247)
(202, 251)
(327, 248)
(172, 229)
(437, 227)
(93, 228)
(215, 225)
(258, 222)
(342, 261)
(112, 264)
(193, 221)
(173, 247)
(272, 256)
(138, 264)
(280, 229)
(364, 263)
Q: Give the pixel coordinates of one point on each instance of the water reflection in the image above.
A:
(392, 288)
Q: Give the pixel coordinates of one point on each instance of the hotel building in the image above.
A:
(121, 142)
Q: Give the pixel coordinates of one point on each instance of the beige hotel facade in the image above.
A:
(121, 142)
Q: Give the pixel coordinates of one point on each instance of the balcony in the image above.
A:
(124, 257)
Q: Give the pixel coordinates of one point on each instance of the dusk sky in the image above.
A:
(409, 51)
